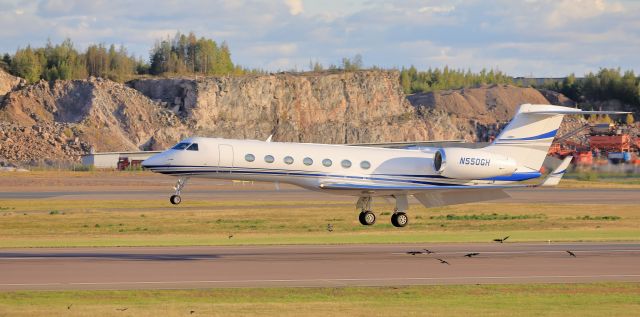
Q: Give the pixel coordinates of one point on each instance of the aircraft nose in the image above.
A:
(152, 161)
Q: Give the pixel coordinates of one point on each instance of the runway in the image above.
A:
(315, 266)
(268, 193)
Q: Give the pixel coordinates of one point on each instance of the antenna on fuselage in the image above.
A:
(269, 138)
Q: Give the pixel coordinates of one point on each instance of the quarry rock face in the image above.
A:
(59, 121)
(9, 83)
(477, 114)
(56, 122)
(330, 108)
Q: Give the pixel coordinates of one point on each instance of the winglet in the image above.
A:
(269, 138)
(554, 177)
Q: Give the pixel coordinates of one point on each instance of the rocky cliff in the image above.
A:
(333, 108)
(9, 83)
(49, 122)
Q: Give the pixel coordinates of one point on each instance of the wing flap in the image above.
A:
(437, 198)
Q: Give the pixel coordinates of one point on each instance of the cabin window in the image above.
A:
(288, 160)
(249, 157)
(365, 165)
(345, 163)
(180, 146)
(193, 147)
(269, 159)
(327, 162)
(307, 161)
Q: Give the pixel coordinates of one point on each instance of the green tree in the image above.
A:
(5, 63)
(26, 64)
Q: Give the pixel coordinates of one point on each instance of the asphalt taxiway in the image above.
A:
(316, 265)
(262, 192)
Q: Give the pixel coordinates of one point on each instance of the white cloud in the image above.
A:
(295, 6)
(567, 11)
(544, 37)
(436, 9)
(282, 49)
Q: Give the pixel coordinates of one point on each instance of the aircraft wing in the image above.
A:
(434, 196)
(402, 145)
(430, 196)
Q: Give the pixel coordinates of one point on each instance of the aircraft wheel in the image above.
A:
(367, 218)
(175, 199)
(399, 219)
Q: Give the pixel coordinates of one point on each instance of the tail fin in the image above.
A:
(529, 135)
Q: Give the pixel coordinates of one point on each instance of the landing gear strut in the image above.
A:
(366, 217)
(398, 219)
(175, 199)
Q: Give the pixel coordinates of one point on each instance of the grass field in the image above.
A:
(58, 223)
(599, 299)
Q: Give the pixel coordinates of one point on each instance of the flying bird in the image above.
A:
(230, 235)
(443, 261)
(571, 253)
(501, 240)
(471, 254)
(414, 252)
(122, 309)
(427, 251)
(191, 312)
(329, 227)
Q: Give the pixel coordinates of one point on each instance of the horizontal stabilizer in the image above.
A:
(577, 112)
(554, 177)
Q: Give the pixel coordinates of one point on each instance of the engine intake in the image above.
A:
(463, 163)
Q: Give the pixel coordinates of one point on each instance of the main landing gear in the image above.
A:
(175, 199)
(398, 219)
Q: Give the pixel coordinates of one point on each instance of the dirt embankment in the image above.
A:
(58, 121)
(9, 83)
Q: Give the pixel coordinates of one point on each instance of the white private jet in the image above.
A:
(434, 176)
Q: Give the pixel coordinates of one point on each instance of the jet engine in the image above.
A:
(462, 163)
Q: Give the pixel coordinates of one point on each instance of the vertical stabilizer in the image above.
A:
(529, 135)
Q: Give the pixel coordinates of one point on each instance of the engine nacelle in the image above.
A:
(462, 163)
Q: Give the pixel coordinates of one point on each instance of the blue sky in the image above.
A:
(522, 38)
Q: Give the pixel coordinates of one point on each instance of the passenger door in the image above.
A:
(225, 158)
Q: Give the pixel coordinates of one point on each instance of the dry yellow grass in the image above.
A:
(599, 299)
(55, 222)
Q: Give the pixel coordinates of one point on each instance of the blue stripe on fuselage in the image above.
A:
(206, 169)
(515, 177)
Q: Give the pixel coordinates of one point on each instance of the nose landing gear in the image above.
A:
(175, 199)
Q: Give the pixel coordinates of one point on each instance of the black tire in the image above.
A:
(175, 199)
(367, 218)
(399, 219)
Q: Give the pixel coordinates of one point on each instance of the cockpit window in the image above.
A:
(180, 146)
(193, 147)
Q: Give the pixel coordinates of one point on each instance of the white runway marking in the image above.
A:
(408, 279)
(524, 252)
